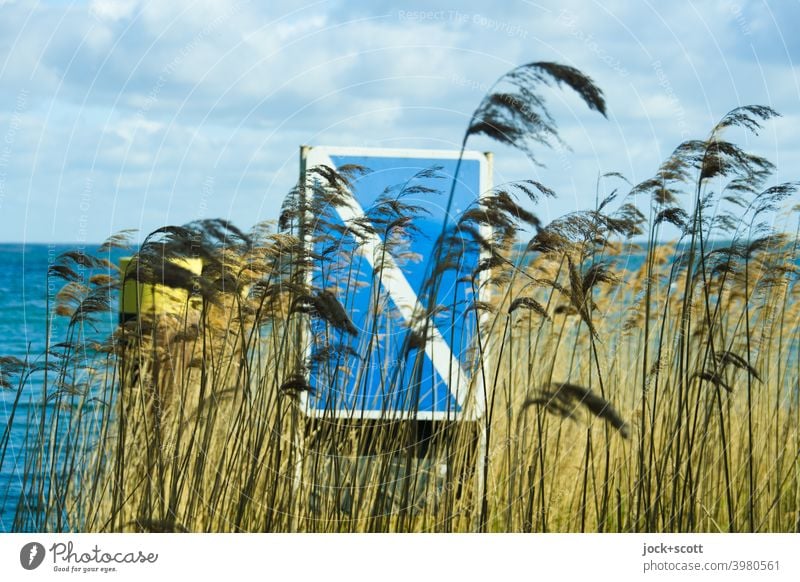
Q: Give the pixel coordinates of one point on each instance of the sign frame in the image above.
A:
(312, 156)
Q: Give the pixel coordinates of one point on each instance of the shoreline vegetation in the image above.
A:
(664, 397)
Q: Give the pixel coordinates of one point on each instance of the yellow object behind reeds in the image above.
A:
(153, 299)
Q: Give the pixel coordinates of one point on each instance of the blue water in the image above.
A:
(23, 299)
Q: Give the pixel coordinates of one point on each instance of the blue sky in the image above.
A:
(137, 113)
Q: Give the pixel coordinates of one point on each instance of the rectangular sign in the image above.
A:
(374, 251)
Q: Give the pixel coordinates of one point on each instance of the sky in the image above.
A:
(118, 114)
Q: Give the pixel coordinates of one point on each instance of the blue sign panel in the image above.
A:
(374, 248)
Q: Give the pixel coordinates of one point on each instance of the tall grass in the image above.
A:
(662, 397)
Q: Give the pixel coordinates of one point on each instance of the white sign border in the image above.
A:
(311, 156)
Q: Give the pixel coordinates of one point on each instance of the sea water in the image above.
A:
(24, 289)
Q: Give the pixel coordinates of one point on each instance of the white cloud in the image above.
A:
(112, 10)
(128, 128)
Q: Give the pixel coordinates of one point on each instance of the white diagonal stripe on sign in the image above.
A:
(400, 291)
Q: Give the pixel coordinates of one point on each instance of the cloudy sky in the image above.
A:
(139, 113)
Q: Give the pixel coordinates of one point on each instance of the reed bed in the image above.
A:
(619, 383)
